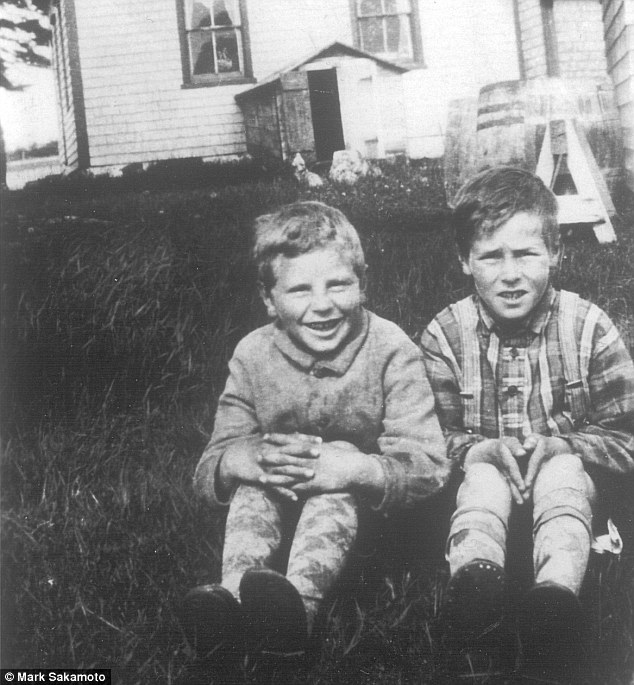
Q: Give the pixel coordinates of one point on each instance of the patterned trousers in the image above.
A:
(314, 536)
(563, 495)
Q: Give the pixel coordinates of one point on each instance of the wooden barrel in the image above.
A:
(501, 126)
(511, 119)
(460, 159)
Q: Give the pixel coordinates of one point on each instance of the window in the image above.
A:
(213, 49)
(385, 28)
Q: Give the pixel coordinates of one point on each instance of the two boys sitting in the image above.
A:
(328, 414)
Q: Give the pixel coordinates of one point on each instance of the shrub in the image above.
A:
(172, 174)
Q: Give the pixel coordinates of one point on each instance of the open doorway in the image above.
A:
(326, 113)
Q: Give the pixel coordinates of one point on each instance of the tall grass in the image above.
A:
(119, 313)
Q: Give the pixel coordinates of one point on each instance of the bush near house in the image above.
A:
(34, 151)
(119, 313)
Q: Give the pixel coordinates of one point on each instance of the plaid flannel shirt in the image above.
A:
(521, 387)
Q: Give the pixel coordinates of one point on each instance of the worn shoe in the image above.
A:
(274, 613)
(552, 633)
(474, 605)
(213, 622)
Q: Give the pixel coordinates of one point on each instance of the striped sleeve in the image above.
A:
(443, 373)
(606, 440)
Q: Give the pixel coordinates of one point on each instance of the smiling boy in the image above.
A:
(535, 392)
(326, 415)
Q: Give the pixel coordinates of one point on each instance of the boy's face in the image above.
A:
(511, 269)
(316, 298)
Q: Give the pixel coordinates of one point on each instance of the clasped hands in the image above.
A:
(503, 453)
(297, 464)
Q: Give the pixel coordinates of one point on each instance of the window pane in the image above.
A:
(389, 6)
(369, 7)
(202, 52)
(197, 14)
(399, 37)
(372, 34)
(227, 51)
(226, 13)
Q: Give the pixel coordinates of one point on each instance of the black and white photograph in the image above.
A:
(316, 337)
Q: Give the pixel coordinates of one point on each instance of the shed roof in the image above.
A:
(334, 48)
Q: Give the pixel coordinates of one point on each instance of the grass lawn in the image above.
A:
(121, 305)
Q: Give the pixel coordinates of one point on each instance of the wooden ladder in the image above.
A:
(565, 147)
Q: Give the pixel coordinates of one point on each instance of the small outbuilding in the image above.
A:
(335, 98)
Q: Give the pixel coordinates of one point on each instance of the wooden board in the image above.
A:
(592, 204)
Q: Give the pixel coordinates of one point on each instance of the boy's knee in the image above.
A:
(248, 493)
(562, 489)
(250, 502)
(478, 527)
(484, 489)
(339, 506)
(486, 480)
(561, 469)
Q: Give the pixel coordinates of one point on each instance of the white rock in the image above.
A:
(348, 166)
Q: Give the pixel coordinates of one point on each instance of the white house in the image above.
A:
(139, 82)
(618, 19)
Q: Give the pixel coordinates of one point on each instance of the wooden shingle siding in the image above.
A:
(138, 104)
(532, 37)
(136, 107)
(618, 20)
(580, 45)
(562, 38)
(76, 80)
(65, 101)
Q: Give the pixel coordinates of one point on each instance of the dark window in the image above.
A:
(213, 40)
(386, 28)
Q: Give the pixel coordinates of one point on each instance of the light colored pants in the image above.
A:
(563, 495)
(321, 531)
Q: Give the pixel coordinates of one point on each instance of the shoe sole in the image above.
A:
(275, 612)
(213, 622)
(474, 602)
(552, 631)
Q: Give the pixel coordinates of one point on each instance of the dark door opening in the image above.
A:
(326, 113)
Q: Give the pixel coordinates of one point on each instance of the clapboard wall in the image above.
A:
(136, 107)
(618, 19)
(71, 122)
(130, 103)
(563, 38)
(580, 46)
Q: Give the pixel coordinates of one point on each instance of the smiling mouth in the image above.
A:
(323, 326)
(512, 294)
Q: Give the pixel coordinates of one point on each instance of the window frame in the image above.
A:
(191, 80)
(414, 19)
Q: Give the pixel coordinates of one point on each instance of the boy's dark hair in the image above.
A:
(299, 228)
(495, 195)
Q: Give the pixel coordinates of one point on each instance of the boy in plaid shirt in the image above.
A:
(535, 392)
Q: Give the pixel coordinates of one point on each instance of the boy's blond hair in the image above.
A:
(302, 227)
(495, 195)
